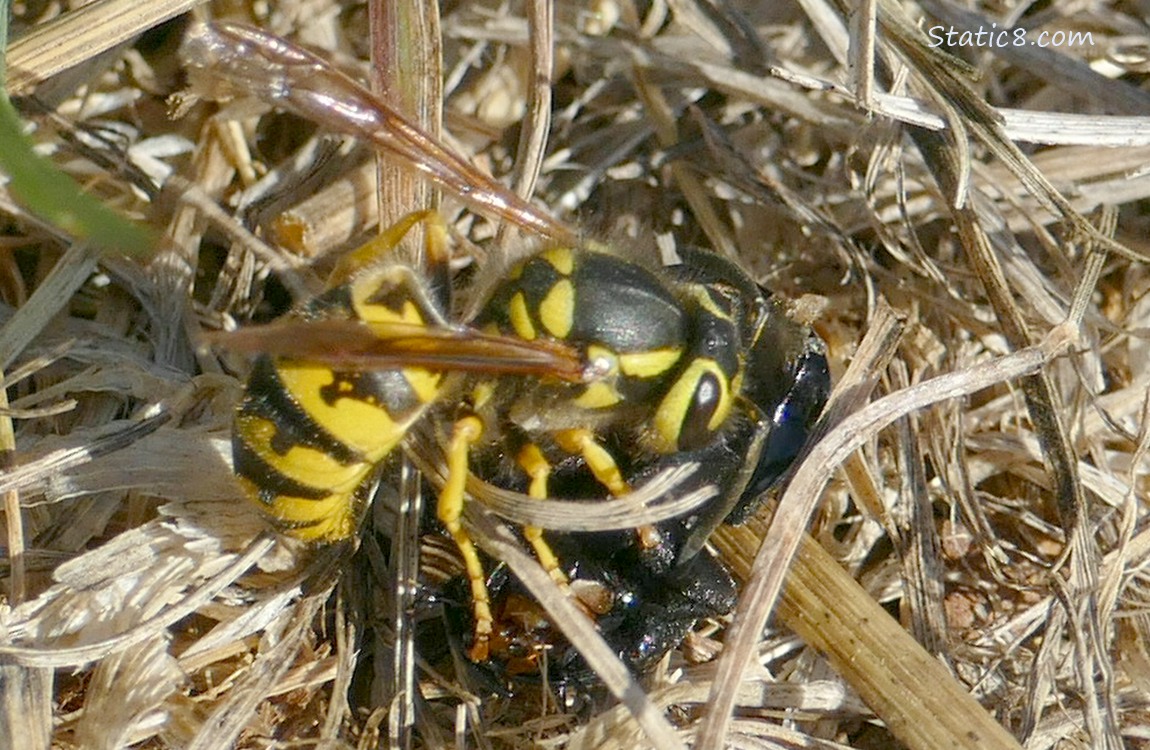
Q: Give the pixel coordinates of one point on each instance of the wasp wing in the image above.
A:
(228, 58)
(355, 345)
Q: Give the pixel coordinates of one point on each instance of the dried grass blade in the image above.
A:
(785, 534)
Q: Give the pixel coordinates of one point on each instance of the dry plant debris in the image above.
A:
(976, 208)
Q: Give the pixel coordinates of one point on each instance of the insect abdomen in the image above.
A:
(307, 437)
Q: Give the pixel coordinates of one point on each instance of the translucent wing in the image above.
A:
(354, 345)
(231, 59)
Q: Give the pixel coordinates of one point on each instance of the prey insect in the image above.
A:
(578, 373)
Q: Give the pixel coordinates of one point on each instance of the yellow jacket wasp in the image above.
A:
(579, 372)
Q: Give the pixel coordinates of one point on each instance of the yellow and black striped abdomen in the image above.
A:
(307, 437)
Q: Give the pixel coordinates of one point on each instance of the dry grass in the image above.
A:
(983, 224)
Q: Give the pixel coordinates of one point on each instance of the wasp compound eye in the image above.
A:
(697, 405)
(700, 399)
(705, 403)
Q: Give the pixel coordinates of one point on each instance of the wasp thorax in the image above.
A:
(631, 329)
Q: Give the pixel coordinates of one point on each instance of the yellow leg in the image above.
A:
(450, 510)
(374, 250)
(535, 464)
(599, 460)
(603, 466)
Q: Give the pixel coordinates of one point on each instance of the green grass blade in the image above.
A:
(49, 193)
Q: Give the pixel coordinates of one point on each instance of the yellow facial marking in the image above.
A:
(707, 302)
(674, 408)
(649, 364)
(377, 249)
(411, 313)
(737, 381)
(557, 310)
(520, 318)
(725, 402)
(561, 258)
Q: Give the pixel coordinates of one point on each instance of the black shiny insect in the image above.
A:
(641, 617)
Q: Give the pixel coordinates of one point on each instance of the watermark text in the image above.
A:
(1015, 37)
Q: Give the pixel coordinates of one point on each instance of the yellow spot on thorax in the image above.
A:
(649, 364)
(557, 310)
(521, 318)
(561, 258)
(598, 395)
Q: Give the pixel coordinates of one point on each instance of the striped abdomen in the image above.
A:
(307, 437)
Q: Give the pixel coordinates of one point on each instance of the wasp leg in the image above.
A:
(536, 466)
(602, 465)
(450, 511)
(376, 249)
(599, 460)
